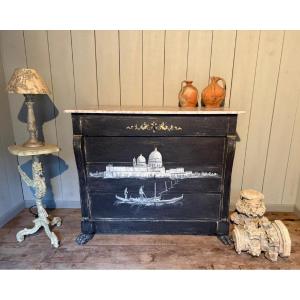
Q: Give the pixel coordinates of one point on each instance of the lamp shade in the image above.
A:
(27, 81)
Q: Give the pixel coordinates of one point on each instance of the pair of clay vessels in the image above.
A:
(212, 96)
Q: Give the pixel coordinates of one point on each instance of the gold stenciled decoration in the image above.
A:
(154, 127)
(27, 81)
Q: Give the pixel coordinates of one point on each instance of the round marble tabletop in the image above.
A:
(20, 150)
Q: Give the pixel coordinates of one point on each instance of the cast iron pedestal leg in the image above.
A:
(38, 183)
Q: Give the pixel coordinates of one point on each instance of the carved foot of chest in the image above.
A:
(225, 239)
(83, 238)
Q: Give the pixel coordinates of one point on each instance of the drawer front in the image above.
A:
(174, 151)
(205, 185)
(195, 206)
(133, 125)
(157, 178)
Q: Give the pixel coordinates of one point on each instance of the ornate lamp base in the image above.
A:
(38, 183)
(38, 223)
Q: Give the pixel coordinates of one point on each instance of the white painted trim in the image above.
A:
(11, 213)
(155, 110)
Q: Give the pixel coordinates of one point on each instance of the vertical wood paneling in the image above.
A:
(176, 51)
(36, 44)
(292, 180)
(298, 198)
(153, 67)
(88, 68)
(85, 74)
(5, 198)
(241, 99)
(265, 84)
(107, 54)
(64, 95)
(287, 98)
(37, 53)
(222, 57)
(13, 56)
(199, 58)
(10, 184)
(131, 61)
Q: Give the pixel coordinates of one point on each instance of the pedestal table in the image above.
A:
(38, 184)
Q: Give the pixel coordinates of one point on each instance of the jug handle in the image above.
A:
(181, 90)
(182, 82)
(223, 82)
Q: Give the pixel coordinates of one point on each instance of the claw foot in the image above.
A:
(54, 240)
(83, 238)
(56, 221)
(20, 236)
(225, 239)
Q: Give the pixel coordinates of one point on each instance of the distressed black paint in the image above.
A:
(204, 143)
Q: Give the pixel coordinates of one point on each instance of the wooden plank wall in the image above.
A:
(91, 68)
(11, 197)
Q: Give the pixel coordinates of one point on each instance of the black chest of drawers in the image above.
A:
(158, 172)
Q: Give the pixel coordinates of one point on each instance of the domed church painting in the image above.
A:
(154, 168)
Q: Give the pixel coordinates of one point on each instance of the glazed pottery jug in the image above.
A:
(188, 95)
(214, 94)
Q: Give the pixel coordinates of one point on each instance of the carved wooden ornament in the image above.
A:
(254, 233)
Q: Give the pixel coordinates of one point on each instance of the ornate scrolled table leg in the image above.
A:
(38, 184)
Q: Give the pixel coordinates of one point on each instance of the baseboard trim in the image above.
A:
(59, 204)
(275, 207)
(11, 213)
(297, 211)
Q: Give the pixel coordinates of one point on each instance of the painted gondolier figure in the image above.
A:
(125, 193)
(141, 192)
(143, 200)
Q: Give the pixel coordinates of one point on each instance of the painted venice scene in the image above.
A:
(154, 169)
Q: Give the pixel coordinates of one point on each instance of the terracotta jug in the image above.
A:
(188, 95)
(214, 94)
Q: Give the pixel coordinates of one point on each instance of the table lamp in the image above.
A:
(28, 82)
